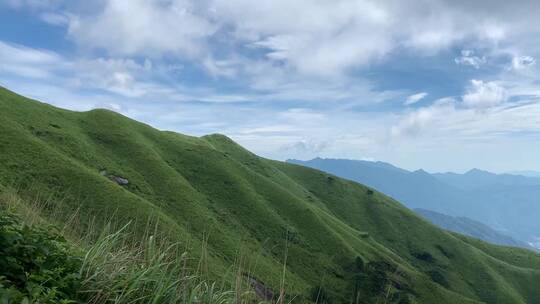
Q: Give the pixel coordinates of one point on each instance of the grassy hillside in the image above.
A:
(338, 240)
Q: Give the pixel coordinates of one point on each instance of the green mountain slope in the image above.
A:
(340, 239)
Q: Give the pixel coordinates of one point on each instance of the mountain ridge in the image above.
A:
(471, 228)
(504, 202)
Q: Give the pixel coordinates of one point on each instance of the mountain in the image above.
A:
(526, 173)
(470, 227)
(417, 189)
(477, 179)
(302, 229)
(507, 203)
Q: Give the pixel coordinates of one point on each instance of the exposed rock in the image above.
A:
(261, 290)
(119, 180)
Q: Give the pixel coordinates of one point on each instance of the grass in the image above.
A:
(241, 213)
(118, 266)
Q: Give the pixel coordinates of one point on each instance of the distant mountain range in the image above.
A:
(478, 179)
(470, 227)
(508, 203)
(526, 173)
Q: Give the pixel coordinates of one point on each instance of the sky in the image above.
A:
(432, 84)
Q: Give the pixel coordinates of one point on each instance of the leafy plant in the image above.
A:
(37, 265)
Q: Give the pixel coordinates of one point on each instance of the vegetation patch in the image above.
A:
(37, 264)
(439, 278)
(378, 282)
(424, 256)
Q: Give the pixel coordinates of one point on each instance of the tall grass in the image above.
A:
(120, 266)
(117, 270)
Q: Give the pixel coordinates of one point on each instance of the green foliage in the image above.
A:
(117, 269)
(37, 264)
(378, 281)
(40, 266)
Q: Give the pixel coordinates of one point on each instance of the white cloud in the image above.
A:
(124, 77)
(28, 62)
(140, 27)
(464, 137)
(326, 39)
(415, 98)
(217, 68)
(468, 58)
(483, 95)
(110, 106)
(522, 62)
(417, 121)
(309, 146)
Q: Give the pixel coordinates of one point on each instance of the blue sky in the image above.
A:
(439, 85)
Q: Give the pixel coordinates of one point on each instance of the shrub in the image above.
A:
(424, 256)
(439, 278)
(36, 264)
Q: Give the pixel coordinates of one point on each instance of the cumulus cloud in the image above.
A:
(326, 39)
(468, 58)
(330, 37)
(124, 77)
(483, 95)
(139, 27)
(415, 98)
(522, 62)
(307, 146)
(417, 121)
(328, 44)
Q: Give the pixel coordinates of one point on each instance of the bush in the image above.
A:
(36, 264)
(439, 278)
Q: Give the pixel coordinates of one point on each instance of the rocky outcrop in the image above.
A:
(117, 179)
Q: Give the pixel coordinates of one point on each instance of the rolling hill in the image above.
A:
(332, 236)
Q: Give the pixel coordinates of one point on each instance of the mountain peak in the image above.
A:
(421, 172)
(476, 171)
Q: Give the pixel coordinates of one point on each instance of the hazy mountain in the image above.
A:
(507, 203)
(526, 173)
(476, 178)
(470, 227)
